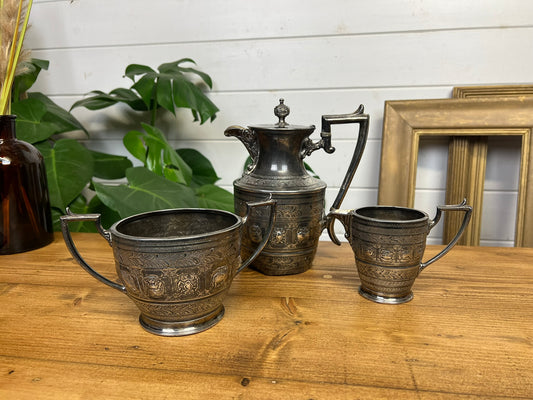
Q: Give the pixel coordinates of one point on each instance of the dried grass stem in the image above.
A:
(14, 16)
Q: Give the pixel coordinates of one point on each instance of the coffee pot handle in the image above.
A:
(363, 120)
(70, 217)
(271, 203)
(457, 207)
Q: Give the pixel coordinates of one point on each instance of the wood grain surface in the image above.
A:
(467, 334)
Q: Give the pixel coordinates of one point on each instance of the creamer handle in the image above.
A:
(458, 207)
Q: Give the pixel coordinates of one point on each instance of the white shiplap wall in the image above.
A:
(322, 57)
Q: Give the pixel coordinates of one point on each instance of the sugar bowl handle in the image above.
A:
(271, 203)
(70, 217)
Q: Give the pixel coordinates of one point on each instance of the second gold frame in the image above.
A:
(406, 121)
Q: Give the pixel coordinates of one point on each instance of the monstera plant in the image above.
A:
(82, 179)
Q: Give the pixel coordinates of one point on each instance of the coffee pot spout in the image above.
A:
(248, 137)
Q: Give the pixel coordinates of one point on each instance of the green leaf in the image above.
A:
(175, 68)
(110, 166)
(168, 88)
(108, 216)
(188, 95)
(69, 168)
(100, 100)
(164, 93)
(135, 145)
(63, 120)
(137, 69)
(145, 191)
(129, 97)
(309, 169)
(146, 89)
(174, 65)
(56, 219)
(206, 78)
(42, 64)
(154, 160)
(30, 113)
(97, 101)
(211, 196)
(23, 82)
(161, 158)
(38, 118)
(170, 169)
(203, 172)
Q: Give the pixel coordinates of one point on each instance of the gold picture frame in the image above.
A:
(467, 162)
(406, 121)
(470, 92)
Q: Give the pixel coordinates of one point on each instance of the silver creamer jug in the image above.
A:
(277, 152)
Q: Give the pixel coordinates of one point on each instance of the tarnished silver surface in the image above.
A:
(277, 152)
(388, 244)
(176, 265)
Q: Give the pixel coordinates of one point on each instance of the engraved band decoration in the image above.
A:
(177, 265)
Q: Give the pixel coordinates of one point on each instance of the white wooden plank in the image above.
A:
(355, 197)
(432, 163)
(252, 108)
(68, 24)
(498, 219)
(332, 168)
(322, 57)
(503, 164)
(400, 60)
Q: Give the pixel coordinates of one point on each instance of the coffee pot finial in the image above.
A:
(281, 111)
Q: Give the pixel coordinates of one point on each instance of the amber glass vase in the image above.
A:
(25, 218)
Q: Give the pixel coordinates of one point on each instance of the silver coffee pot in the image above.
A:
(277, 152)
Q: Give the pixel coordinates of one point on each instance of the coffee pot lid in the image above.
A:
(282, 111)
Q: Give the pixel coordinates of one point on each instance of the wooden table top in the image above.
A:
(468, 333)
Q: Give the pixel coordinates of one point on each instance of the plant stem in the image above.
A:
(154, 106)
(152, 119)
(14, 54)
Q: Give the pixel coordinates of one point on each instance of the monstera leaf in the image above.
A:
(211, 196)
(145, 191)
(69, 168)
(110, 166)
(169, 179)
(30, 125)
(170, 87)
(152, 148)
(203, 172)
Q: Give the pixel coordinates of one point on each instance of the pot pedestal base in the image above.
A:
(385, 300)
(183, 328)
